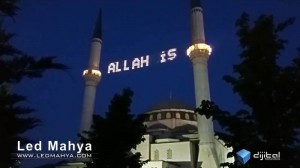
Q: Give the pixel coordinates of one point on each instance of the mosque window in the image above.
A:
(177, 115)
(195, 117)
(156, 155)
(168, 115)
(158, 116)
(187, 116)
(151, 117)
(169, 154)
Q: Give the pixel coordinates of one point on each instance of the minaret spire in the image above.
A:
(92, 77)
(195, 3)
(199, 53)
(98, 27)
(197, 24)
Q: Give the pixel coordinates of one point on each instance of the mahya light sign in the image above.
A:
(140, 62)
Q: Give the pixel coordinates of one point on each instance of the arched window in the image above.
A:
(151, 117)
(168, 115)
(156, 155)
(187, 116)
(169, 154)
(158, 116)
(195, 117)
(177, 115)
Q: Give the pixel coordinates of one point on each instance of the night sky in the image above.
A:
(135, 28)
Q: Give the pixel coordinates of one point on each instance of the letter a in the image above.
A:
(111, 67)
(136, 63)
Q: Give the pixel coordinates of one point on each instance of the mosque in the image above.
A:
(176, 136)
(172, 139)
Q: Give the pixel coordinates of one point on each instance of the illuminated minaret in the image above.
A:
(199, 53)
(92, 77)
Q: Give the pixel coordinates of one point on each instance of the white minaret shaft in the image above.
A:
(92, 77)
(197, 25)
(199, 53)
(95, 52)
(199, 57)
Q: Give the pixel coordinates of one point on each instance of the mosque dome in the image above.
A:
(170, 117)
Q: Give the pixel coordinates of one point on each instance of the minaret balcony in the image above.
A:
(199, 49)
(92, 75)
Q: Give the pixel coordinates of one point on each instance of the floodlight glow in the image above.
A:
(199, 46)
(92, 71)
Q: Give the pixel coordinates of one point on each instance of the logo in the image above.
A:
(53, 149)
(243, 156)
(267, 156)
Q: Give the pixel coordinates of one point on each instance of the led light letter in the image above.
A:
(136, 63)
(111, 67)
(145, 61)
(162, 55)
(172, 54)
(126, 68)
(117, 67)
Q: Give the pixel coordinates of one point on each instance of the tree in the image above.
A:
(113, 136)
(270, 120)
(15, 65)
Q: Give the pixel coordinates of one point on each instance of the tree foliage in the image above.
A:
(8, 7)
(15, 65)
(115, 135)
(270, 120)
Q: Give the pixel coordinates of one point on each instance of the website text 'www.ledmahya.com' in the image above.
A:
(53, 150)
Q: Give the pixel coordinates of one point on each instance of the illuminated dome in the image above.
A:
(171, 118)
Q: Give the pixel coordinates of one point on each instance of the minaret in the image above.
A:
(92, 77)
(199, 53)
